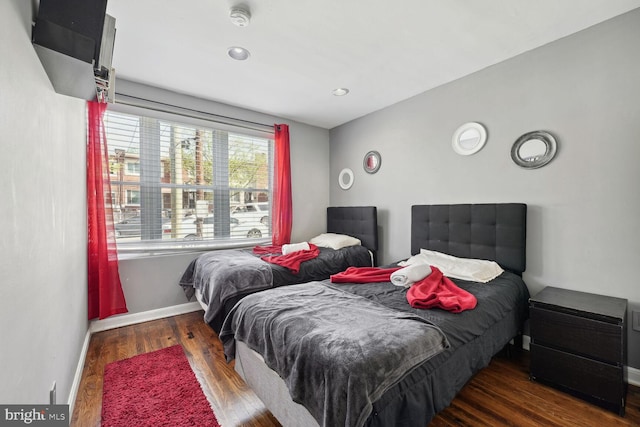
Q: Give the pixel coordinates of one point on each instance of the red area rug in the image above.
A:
(154, 389)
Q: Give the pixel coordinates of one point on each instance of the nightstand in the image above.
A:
(579, 345)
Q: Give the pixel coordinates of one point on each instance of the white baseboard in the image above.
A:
(75, 385)
(145, 316)
(632, 374)
(117, 322)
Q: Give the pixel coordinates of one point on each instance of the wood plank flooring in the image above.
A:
(500, 395)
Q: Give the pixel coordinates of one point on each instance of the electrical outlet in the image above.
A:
(52, 394)
(636, 320)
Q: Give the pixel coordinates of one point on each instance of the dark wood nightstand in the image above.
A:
(579, 345)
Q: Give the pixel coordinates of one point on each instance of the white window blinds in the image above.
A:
(177, 184)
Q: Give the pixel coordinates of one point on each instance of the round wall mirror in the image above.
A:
(469, 138)
(534, 149)
(371, 162)
(345, 178)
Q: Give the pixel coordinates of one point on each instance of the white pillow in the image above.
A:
(334, 241)
(475, 270)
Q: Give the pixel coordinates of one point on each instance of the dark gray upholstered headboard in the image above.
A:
(496, 231)
(360, 222)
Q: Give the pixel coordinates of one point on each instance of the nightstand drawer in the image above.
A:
(596, 381)
(587, 337)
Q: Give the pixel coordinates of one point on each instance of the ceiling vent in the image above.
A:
(74, 40)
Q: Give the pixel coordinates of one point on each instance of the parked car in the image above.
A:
(189, 229)
(251, 212)
(131, 226)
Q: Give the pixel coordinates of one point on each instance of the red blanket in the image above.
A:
(267, 250)
(293, 260)
(439, 291)
(364, 275)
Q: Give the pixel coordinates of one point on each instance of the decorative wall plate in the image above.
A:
(469, 138)
(345, 178)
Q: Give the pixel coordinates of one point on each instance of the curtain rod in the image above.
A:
(217, 118)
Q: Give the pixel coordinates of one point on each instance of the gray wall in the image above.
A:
(43, 261)
(152, 282)
(583, 230)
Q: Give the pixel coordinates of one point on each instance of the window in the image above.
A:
(133, 197)
(132, 168)
(175, 184)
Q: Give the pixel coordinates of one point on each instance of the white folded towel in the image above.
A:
(407, 276)
(294, 247)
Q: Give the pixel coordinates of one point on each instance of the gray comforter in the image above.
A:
(337, 352)
(218, 276)
(330, 261)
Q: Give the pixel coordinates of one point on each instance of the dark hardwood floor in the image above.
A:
(500, 395)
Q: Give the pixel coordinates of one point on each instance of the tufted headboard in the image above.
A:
(492, 231)
(360, 222)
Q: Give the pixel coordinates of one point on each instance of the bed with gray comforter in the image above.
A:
(286, 329)
(412, 398)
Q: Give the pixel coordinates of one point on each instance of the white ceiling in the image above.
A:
(383, 51)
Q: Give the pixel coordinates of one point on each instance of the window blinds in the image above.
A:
(178, 182)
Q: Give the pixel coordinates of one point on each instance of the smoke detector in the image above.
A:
(240, 16)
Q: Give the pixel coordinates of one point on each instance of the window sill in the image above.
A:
(142, 249)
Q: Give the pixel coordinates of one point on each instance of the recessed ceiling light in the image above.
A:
(238, 53)
(341, 91)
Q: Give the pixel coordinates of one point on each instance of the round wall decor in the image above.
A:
(371, 162)
(534, 149)
(469, 138)
(345, 178)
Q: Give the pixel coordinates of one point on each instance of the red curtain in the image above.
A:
(105, 290)
(282, 211)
